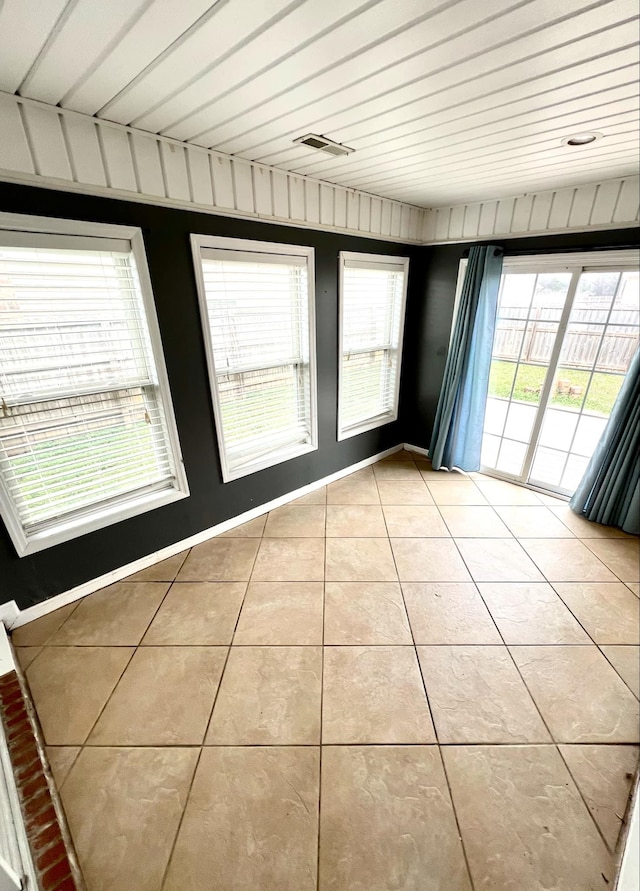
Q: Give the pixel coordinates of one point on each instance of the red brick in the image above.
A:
(8, 682)
(53, 876)
(14, 708)
(45, 836)
(68, 884)
(12, 696)
(33, 806)
(24, 754)
(28, 771)
(51, 856)
(14, 734)
(20, 719)
(30, 790)
(42, 818)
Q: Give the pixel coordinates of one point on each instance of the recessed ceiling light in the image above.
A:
(324, 145)
(581, 138)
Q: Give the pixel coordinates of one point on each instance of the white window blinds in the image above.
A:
(83, 421)
(257, 316)
(372, 302)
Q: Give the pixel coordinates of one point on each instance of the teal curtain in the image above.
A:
(456, 440)
(609, 491)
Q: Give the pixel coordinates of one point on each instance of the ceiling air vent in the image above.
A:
(324, 144)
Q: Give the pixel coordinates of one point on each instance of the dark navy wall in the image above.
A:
(430, 311)
(31, 579)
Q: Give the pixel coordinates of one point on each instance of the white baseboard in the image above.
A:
(417, 449)
(9, 612)
(53, 603)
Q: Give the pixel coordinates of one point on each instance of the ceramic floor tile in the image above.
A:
(604, 775)
(66, 702)
(444, 476)
(112, 617)
(634, 586)
(621, 556)
(583, 528)
(296, 521)
(396, 470)
(38, 632)
(477, 696)
(374, 695)
(61, 759)
(497, 560)
(580, 696)
(404, 493)
(164, 698)
(465, 521)
(268, 696)
(414, 521)
(523, 823)
(527, 521)
(278, 613)
(499, 492)
(387, 821)
(442, 613)
(317, 496)
(565, 560)
(123, 807)
(531, 613)
(290, 560)
(365, 613)
(354, 489)
(608, 610)
(220, 560)
(455, 492)
(26, 655)
(401, 455)
(164, 571)
(197, 614)
(428, 560)
(626, 661)
(252, 529)
(251, 822)
(355, 521)
(360, 560)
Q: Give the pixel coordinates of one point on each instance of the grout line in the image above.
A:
(208, 724)
(181, 820)
(324, 588)
(424, 687)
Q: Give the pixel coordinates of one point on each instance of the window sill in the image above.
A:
(370, 424)
(78, 526)
(268, 461)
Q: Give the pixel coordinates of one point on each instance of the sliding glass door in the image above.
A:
(565, 336)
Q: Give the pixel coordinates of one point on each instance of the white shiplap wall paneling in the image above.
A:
(592, 206)
(445, 103)
(52, 145)
(15, 154)
(46, 140)
(84, 151)
(39, 143)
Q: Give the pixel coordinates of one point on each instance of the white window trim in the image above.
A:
(241, 245)
(371, 260)
(128, 505)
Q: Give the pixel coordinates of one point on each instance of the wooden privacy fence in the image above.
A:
(581, 347)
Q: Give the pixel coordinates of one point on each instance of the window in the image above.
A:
(372, 300)
(87, 434)
(256, 303)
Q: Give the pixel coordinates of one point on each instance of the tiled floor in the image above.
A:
(408, 681)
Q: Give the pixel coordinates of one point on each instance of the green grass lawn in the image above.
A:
(99, 463)
(600, 398)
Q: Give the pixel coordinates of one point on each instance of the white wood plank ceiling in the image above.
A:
(444, 102)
